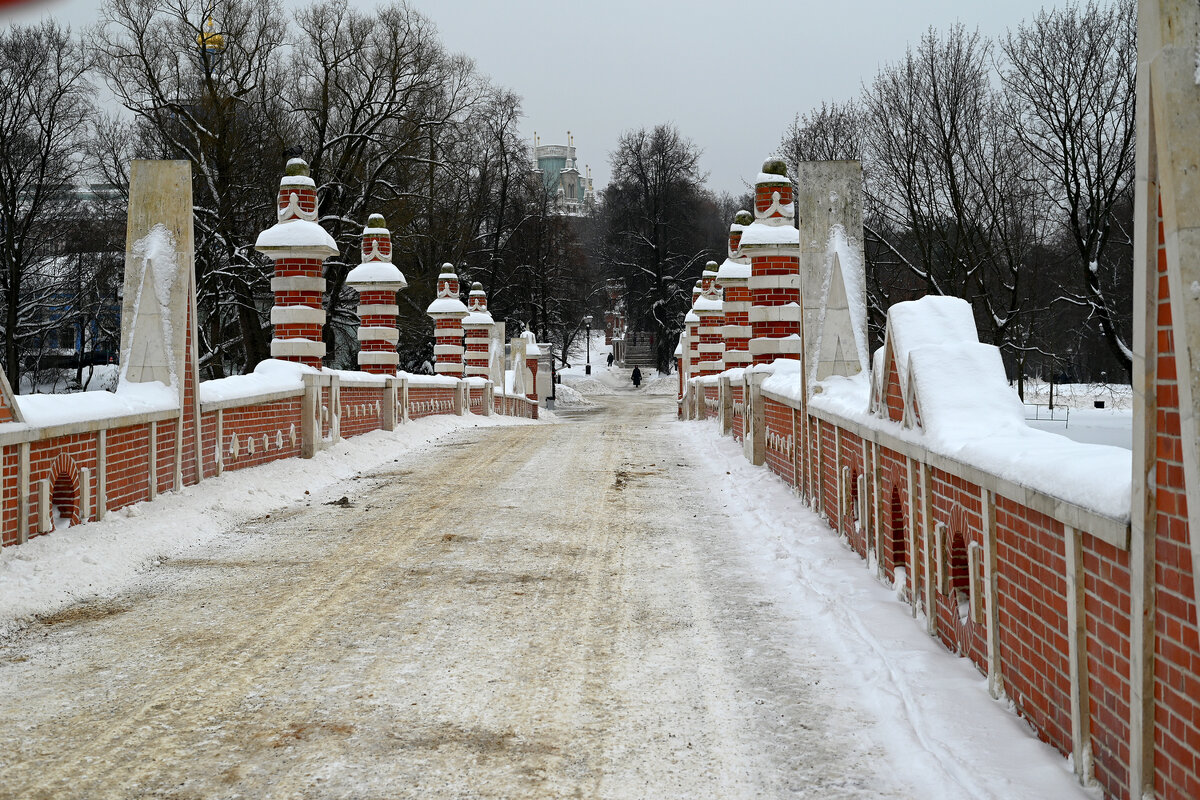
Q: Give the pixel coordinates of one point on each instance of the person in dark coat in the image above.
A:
(637, 377)
(610, 359)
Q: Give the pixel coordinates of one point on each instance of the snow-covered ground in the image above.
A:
(1075, 414)
(101, 558)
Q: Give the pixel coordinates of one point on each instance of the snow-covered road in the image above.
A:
(574, 610)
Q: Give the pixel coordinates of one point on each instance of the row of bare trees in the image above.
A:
(388, 118)
(1002, 172)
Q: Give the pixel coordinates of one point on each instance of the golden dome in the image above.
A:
(209, 39)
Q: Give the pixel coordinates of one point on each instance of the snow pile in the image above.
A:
(564, 395)
(658, 383)
(962, 393)
(759, 234)
(295, 233)
(51, 572)
(43, 410)
(931, 320)
(968, 412)
(269, 376)
(375, 272)
(585, 385)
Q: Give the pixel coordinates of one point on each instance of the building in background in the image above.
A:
(570, 189)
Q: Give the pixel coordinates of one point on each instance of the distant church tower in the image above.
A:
(558, 166)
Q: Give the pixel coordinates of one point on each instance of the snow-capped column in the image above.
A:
(477, 332)
(773, 245)
(377, 280)
(298, 246)
(710, 347)
(733, 277)
(448, 312)
(533, 353)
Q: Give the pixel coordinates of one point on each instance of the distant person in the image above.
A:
(637, 377)
(610, 360)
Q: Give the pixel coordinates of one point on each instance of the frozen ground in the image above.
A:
(615, 607)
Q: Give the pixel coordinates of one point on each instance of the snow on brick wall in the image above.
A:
(1031, 574)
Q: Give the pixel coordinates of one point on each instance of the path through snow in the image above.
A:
(575, 610)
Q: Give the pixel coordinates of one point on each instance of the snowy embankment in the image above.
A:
(101, 558)
(942, 730)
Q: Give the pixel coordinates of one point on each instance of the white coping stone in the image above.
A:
(448, 350)
(718, 366)
(448, 367)
(297, 283)
(446, 333)
(737, 305)
(375, 309)
(709, 331)
(712, 347)
(775, 282)
(477, 369)
(780, 344)
(785, 313)
(297, 315)
(282, 348)
(380, 333)
(388, 357)
(737, 331)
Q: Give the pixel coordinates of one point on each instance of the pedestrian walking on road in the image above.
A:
(637, 377)
(610, 360)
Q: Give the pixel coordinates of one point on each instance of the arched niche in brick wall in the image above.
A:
(64, 491)
(897, 535)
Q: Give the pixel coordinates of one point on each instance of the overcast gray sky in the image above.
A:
(718, 70)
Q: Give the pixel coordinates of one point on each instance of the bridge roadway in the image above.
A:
(534, 611)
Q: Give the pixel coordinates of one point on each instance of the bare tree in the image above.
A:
(1070, 76)
(832, 132)
(44, 108)
(204, 81)
(654, 209)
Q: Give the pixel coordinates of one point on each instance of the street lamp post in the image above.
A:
(587, 322)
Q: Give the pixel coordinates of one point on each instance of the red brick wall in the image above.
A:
(362, 409)
(425, 401)
(1177, 646)
(1032, 609)
(1106, 609)
(269, 426)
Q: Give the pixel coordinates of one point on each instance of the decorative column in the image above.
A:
(733, 277)
(448, 312)
(477, 332)
(710, 347)
(773, 244)
(533, 354)
(298, 246)
(377, 280)
(691, 328)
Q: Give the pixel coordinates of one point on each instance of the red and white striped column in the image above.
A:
(298, 246)
(376, 279)
(773, 245)
(447, 311)
(477, 332)
(733, 276)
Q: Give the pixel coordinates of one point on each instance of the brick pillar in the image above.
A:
(733, 277)
(710, 346)
(477, 331)
(448, 312)
(298, 246)
(773, 245)
(377, 280)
